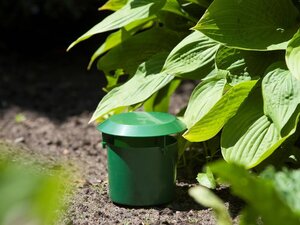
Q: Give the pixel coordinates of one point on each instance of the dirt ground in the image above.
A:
(55, 96)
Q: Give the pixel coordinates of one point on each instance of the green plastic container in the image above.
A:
(141, 157)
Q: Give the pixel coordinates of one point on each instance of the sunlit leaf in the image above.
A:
(207, 179)
(251, 136)
(192, 57)
(281, 94)
(147, 80)
(204, 97)
(132, 11)
(213, 121)
(207, 198)
(113, 5)
(293, 56)
(244, 65)
(255, 24)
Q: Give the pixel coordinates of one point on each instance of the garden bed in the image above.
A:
(45, 105)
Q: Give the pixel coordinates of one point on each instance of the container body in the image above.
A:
(142, 171)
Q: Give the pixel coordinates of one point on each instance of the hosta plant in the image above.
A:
(263, 195)
(245, 53)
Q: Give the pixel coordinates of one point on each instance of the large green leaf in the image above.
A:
(192, 57)
(207, 198)
(251, 136)
(137, 49)
(132, 11)
(293, 55)
(213, 121)
(117, 37)
(281, 94)
(204, 97)
(243, 65)
(255, 24)
(259, 194)
(147, 80)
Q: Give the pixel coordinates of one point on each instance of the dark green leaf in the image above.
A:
(160, 101)
(137, 49)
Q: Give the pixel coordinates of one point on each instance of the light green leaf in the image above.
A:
(243, 65)
(281, 94)
(293, 56)
(147, 80)
(209, 125)
(250, 136)
(132, 11)
(258, 193)
(113, 5)
(159, 102)
(207, 179)
(117, 37)
(255, 24)
(207, 198)
(204, 97)
(192, 57)
(137, 49)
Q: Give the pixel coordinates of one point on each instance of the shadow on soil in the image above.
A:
(55, 83)
(184, 203)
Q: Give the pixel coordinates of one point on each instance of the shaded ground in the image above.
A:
(56, 95)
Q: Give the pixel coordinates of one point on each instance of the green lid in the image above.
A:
(141, 124)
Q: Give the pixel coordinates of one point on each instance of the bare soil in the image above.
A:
(56, 96)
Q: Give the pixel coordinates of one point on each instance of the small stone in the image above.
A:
(19, 140)
(66, 151)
